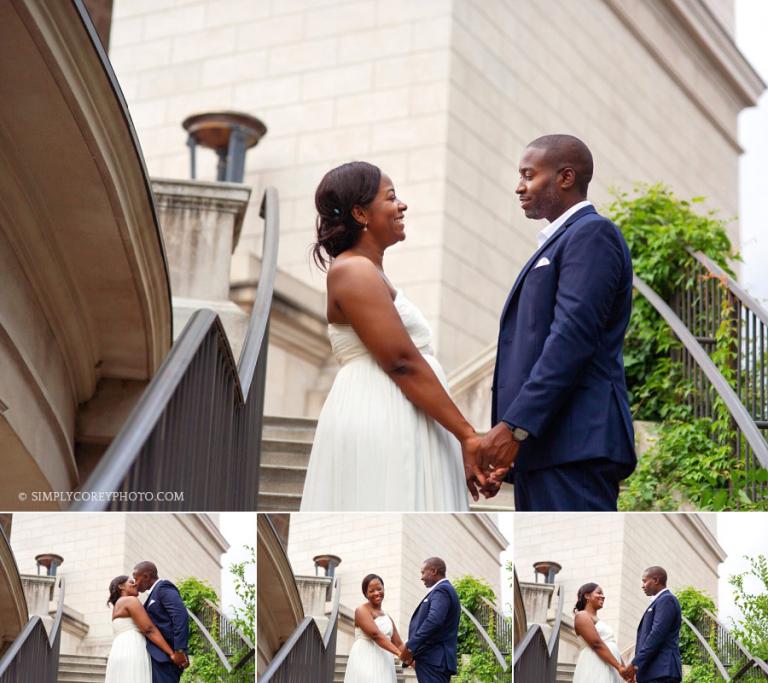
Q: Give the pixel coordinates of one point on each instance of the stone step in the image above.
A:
(279, 502)
(289, 428)
(282, 479)
(81, 669)
(294, 453)
(565, 673)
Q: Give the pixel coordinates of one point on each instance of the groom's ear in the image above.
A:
(568, 178)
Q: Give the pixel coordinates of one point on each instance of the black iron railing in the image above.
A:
(750, 448)
(193, 441)
(714, 305)
(535, 657)
(307, 655)
(484, 628)
(34, 655)
(233, 649)
(719, 649)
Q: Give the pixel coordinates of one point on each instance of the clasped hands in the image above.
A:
(487, 460)
(628, 672)
(406, 656)
(180, 659)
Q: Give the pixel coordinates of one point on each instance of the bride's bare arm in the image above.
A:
(364, 621)
(358, 290)
(585, 627)
(140, 617)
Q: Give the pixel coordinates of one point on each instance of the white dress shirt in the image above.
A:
(149, 592)
(653, 597)
(554, 226)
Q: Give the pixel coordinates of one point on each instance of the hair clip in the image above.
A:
(337, 212)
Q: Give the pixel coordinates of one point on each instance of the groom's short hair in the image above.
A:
(437, 564)
(568, 151)
(146, 567)
(658, 573)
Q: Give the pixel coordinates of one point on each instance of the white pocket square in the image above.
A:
(543, 261)
(151, 601)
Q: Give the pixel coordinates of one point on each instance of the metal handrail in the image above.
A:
(549, 648)
(207, 635)
(554, 637)
(712, 654)
(735, 407)
(738, 291)
(750, 660)
(308, 630)
(488, 641)
(34, 654)
(198, 386)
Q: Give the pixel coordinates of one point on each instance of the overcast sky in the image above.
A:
(751, 23)
(239, 528)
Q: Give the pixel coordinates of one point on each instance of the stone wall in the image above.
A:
(100, 546)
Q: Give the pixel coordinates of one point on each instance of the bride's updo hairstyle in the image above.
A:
(581, 596)
(368, 580)
(114, 589)
(352, 184)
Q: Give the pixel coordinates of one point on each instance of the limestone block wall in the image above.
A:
(613, 550)
(98, 547)
(443, 94)
(394, 546)
(589, 548)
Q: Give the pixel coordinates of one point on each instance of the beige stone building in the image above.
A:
(394, 546)
(443, 95)
(98, 547)
(613, 550)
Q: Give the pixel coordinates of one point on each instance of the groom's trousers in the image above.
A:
(428, 673)
(663, 680)
(584, 486)
(165, 672)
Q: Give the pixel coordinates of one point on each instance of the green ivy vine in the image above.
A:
(476, 663)
(690, 465)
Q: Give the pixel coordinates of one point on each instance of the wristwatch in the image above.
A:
(518, 433)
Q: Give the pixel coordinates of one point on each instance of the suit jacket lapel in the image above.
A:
(537, 253)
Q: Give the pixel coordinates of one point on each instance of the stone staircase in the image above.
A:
(341, 667)
(285, 446)
(82, 669)
(565, 672)
(286, 443)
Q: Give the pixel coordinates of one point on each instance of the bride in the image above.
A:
(599, 660)
(128, 659)
(376, 639)
(389, 437)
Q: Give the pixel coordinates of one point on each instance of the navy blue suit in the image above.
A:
(168, 612)
(560, 370)
(657, 648)
(433, 633)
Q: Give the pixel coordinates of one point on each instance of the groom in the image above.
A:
(169, 614)
(434, 628)
(657, 649)
(560, 407)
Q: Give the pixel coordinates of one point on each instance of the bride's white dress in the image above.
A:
(368, 663)
(373, 449)
(129, 660)
(589, 667)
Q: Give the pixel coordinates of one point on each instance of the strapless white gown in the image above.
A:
(368, 663)
(128, 659)
(589, 667)
(373, 449)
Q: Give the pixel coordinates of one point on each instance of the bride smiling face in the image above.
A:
(374, 592)
(596, 599)
(129, 588)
